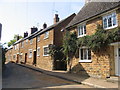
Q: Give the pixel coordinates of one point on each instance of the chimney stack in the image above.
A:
(18, 37)
(44, 25)
(56, 19)
(34, 29)
(25, 34)
(87, 1)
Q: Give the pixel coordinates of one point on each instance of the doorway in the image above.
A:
(117, 60)
(25, 58)
(17, 58)
(34, 58)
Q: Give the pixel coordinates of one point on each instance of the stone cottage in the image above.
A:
(105, 63)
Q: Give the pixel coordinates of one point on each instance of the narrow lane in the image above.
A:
(15, 76)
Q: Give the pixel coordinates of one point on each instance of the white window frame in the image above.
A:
(38, 53)
(108, 15)
(31, 41)
(30, 56)
(38, 38)
(15, 47)
(14, 56)
(46, 35)
(83, 30)
(43, 50)
(84, 60)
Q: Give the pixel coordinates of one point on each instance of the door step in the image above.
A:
(113, 79)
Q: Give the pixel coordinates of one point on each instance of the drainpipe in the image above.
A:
(19, 54)
(36, 50)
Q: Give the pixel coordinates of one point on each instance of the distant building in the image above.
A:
(0, 30)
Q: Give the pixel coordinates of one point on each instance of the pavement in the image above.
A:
(90, 81)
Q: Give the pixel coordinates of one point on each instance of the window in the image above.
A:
(14, 56)
(20, 56)
(46, 35)
(110, 21)
(15, 47)
(85, 55)
(31, 41)
(38, 38)
(81, 30)
(18, 46)
(38, 51)
(30, 53)
(45, 50)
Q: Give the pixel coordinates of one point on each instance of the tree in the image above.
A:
(69, 46)
(11, 42)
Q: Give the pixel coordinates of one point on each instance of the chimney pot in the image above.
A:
(18, 37)
(25, 34)
(44, 25)
(34, 29)
(56, 19)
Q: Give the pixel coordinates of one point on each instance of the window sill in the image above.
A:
(30, 57)
(46, 38)
(81, 36)
(85, 61)
(45, 55)
(110, 27)
(38, 55)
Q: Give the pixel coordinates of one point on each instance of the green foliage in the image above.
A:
(83, 41)
(56, 52)
(11, 42)
(101, 39)
(69, 44)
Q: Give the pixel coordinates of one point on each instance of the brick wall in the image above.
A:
(31, 46)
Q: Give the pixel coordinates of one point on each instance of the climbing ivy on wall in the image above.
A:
(101, 39)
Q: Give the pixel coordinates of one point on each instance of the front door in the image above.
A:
(34, 58)
(25, 57)
(17, 58)
(117, 60)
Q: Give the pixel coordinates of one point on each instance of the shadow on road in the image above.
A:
(15, 76)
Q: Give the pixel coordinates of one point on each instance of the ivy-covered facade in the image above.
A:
(98, 31)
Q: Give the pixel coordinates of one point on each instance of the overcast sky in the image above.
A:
(18, 17)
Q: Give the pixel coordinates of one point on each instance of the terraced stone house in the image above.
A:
(105, 63)
(33, 49)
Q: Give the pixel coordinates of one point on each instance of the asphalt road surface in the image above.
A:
(15, 76)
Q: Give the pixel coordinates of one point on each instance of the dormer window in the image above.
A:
(110, 21)
(82, 30)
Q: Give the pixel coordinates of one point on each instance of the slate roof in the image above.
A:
(44, 30)
(52, 26)
(92, 9)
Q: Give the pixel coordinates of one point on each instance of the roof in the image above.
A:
(92, 9)
(18, 41)
(9, 48)
(45, 30)
(52, 26)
